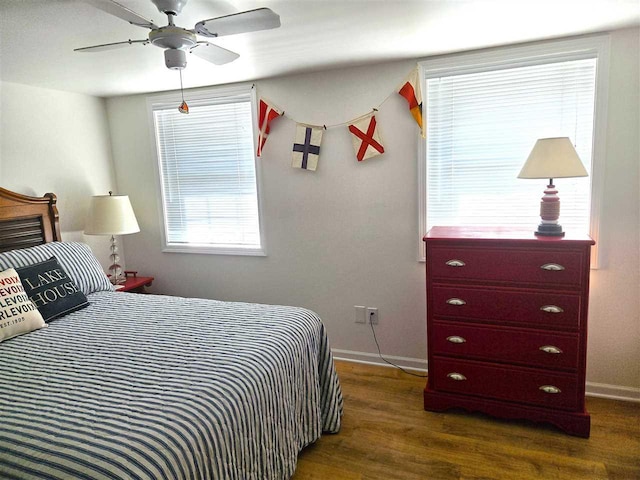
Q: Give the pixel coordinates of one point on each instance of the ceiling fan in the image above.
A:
(177, 40)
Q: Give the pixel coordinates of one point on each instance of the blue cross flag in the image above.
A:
(306, 147)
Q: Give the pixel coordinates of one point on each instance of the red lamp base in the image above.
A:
(550, 212)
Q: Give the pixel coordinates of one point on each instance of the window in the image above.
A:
(484, 112)
(207, 172)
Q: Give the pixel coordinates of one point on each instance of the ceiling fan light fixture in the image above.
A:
(175, 59)
(176, 41)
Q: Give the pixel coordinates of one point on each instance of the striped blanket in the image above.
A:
(153, 387)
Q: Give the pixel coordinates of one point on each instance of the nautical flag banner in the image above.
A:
(410, 90)
(306, 147)
(266, 113)
(366, 138)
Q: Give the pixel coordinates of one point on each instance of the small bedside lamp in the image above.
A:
(112, 215)
(552, 158)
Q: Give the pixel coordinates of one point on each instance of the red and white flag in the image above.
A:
(266, 113)
(366, 138)
(410, 90)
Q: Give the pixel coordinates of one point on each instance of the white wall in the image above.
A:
(53, 141)
(347, 234)
(614, 320)
(342, 236)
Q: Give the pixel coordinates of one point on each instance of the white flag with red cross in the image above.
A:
(366, 138)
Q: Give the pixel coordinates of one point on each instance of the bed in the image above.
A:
(150, 386)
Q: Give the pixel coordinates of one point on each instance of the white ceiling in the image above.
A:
(37, 37)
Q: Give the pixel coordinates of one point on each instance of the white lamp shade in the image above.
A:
(553, 158)
(111, 215)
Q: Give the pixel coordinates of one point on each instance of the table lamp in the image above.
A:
(552, 158)
(112, 215)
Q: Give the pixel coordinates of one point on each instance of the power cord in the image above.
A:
(388, 361)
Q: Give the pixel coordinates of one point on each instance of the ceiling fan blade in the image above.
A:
(120, 11)
(249, 21)
(109, 46)
(213, 53)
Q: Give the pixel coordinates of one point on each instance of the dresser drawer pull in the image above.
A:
(551, 309)
(550, 389)
(456, 302)
(458, 377)
(552, 267)
(456, 339)
(550, 349)
(455, 263)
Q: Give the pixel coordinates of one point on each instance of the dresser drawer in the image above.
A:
(544, 267)
(526, 347)
(531, 308)
(526, 385)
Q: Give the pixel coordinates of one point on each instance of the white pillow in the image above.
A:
(76, 258)
(18, 314)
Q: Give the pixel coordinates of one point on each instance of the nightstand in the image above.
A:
(134, 283)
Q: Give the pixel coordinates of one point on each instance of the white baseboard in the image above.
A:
(613, 392)
(374, 359)
(600, 390)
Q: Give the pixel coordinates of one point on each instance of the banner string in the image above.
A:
(409, 89)
(343, 124)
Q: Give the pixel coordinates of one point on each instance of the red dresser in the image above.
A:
(507, 324)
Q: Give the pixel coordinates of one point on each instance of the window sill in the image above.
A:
(208, 250)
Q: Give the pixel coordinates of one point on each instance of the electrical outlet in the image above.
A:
(372, 315)
(361, 314)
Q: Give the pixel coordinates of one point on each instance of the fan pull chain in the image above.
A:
(183, 108)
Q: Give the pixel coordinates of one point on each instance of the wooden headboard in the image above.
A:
(27, 221)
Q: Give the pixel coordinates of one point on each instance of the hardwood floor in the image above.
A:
(387, 435)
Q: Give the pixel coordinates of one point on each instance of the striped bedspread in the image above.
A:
(154, 387)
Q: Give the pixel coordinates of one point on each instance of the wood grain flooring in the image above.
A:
(387, 435)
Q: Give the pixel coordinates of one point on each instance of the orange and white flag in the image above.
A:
(266, 113)
(410, 90)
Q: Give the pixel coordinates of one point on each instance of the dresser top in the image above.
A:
(500, 233)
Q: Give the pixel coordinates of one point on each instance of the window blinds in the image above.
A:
(481, 128)
(208, 174)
